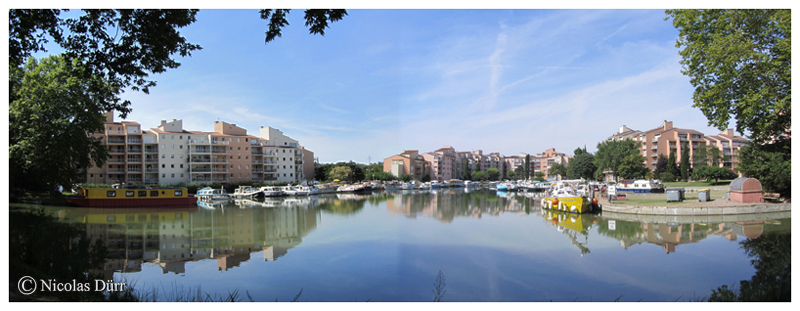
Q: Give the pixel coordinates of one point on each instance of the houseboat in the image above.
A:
(641, 186)
(272, 191)
(131, 197)
(246, 192)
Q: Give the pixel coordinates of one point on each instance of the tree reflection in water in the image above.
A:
(772, 258)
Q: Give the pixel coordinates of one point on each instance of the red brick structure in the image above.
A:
(746, 190)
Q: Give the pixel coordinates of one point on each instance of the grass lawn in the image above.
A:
(700, 183)
(660, 199)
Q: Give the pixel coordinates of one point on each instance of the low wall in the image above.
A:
(689, 219)
(720, 210)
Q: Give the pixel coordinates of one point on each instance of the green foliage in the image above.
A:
(582, 165)
(672, 166)
(539, 176)
(511, 174)
(772, 259)
(42, 248)
(770, 164)
(714, 172)
(479, 175)
(661, 166)
(527, 168)
(342, 173)
(706, 155)
(557, 169)
(739, 62)
(56, 102)
(405, 177)
(384, 176)
(493, 173)
(142, 43)
(632, 167)
(610, 154)
(667, 177)
(426, 178)
(685, 162)
(316, 20)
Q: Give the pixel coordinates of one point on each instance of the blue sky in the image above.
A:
(383, 81)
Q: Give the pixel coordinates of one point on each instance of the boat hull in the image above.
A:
(568, 204)
(165, 202)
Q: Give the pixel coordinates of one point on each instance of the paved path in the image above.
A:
(715, 207)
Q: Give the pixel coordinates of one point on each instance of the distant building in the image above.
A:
(409, 162)
(170, 154)
(665, 139)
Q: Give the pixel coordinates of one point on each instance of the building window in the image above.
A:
(163, 175)
(129, 193)
(172, 156)
(163, 165)
(142, 193)
(239, 148)
(181, 165)
(112, 193)
(178, 193)
(181, 137)
(238, 140)
(154, 193)
(172, 166)
(162, 147)
(163, 156)
(181, 175)
(173, 175)
(181, 146)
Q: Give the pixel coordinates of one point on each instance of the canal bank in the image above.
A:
(712, 208)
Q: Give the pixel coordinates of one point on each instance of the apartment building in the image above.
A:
(443, 163)
(543, 161)
(170, 154)
(666, 139)
(409, 162)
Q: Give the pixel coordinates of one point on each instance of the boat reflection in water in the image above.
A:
(571, 225)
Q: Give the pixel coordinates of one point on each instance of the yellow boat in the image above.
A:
(132, 197)
(563, 197)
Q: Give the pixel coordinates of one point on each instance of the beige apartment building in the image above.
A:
(170, 154)
(665, 139)
(409, 162)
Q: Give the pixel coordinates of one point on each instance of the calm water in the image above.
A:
(390, 247)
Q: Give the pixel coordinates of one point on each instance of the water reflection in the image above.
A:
(500, 226)
(171, 238)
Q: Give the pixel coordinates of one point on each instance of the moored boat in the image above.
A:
(563, 197)
(270, 191)
(209, 193)
(246, 192)
(131, 197)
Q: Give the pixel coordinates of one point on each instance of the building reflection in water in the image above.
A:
(446, 205)
(170, 238)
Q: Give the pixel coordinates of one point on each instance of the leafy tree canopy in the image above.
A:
(493, 173)
(581, 166)
(739, 62)
(557, 169)
(770, 164)
(479, 175)
(55, 105)
(610, 154)
(342, 173)
(632, 167)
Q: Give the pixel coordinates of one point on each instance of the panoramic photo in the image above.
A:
(399, 155)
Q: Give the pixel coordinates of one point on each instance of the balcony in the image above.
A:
(270, 170)
(115, 170)
(116, 160)
(200, 170)
(150, 150)
(151, 170)
(257, 162)
(218, 142)
(134, 150)
(130, 179)
(151, 160)
(219, 160)
(198, 142)
(199, 150)
(151, 180)
(223, 150)
(134, 170)
(219, 179)
(257, 171)
(201, 179)
(200, 160)
(254, 152)
(257, 179)
(132, 140)
(116, 151)
(220, 170)
(115, 141)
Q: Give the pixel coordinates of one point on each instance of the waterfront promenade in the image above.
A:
(715, 207)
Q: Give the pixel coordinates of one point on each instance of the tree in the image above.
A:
(54, 107)
(685, 162)
(384, 176)
(714, 172)
(582, 165)
(520, 171)
(661, 166)
(479, 175)
(772, 259)
(316, 20)
(739, 62)
(706, 155)
(633, 167)
(770, 164)
(557, 169)
(493, 173)
(609, 154)
(510, 174)
(539, 176)
(426, 178)
(527, 169)
(405, 177)
(672, 167)
(343, 173)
